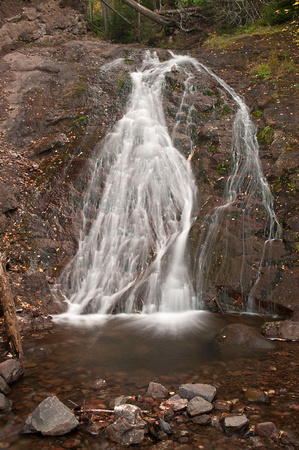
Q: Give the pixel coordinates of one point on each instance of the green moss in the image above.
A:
(266, 135)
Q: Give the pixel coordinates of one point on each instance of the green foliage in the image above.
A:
(191, 2)
(266, 135)
(279, 11)
(258, 114)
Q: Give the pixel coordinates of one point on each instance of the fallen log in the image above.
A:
(9, 312)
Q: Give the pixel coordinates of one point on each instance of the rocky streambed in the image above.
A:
(113, 387)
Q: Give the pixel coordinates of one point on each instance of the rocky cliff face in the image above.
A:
(58, 99)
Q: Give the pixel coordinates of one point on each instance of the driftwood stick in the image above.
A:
(218, 305)
(9, 312)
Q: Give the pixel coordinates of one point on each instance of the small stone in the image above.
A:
(122, 400)
(235, 424)
(177, 403)
(165, 427)
(203, 419)
(6, 405)
(156, 390)
(51, 418)
(266, 429)
(223, 406)
(125, 433)
(198, 405)
(11, 370)
(99, 385)
(189, 391)
(256, 395)
(4, 388)
(131, 413)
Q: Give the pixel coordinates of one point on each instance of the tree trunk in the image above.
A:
(150, 14)
(9, 312)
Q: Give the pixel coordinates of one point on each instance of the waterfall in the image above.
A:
(133, 257)
(139, 206)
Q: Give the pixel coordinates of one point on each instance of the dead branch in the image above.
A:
(9, 312)
(154, 16)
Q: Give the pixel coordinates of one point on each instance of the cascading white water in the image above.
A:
(133, 256)
(135, 248)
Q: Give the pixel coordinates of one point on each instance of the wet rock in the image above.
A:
(189, 391)
(6, 405)
(198, 405)
(266, 429)
(51, 418)
(235, 424)
(99, 385)
(203, 419)
(165, 427)
(156, 390)
(125, 433)
(131, 413)
(4, 388)
(128, 429)
(165, 445)
(122, 400)
(177, 403)
(288, 330)
(256, 395)
(11, 370)
(8, 201)
(240, 335)
(224, 406)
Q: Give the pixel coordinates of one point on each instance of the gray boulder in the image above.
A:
(235, 424)
(6, 405)
(198, 405)
(266, 429)
(156, 390)
(177, 403)
(128, 428)
(51, 418)
(243, 336)
(4, 388)
(11, 370)
(189, 391)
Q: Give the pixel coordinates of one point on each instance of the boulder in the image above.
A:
(189, 391)
(4, 388)
(235, 424)
(11, 370)
(266, 429)
(51, 418)
(198, 405)
(128, 428)
(177, 403)
(240, 335)
(156, 390)
(6, 405)
(287, 330)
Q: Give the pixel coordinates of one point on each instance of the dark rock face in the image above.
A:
(51, 418)
(11, 370)
(239, 335)
(59, 99)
